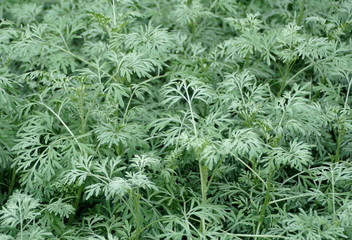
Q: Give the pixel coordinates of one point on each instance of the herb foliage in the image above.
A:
(182, 119)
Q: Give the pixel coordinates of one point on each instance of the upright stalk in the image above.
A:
(246, 64)
(339, 136)
(114, 13)
(204, 181)
(288, 67)
(266, 200)
(338, 145)
(76, 204)
(137, 215)
(83, 119)
(13, 181)
(21, 224)
(333, 194)
(348, 92)
(301, 12)
(203, 172)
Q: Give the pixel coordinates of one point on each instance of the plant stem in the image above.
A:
(114, 13)
(246, 64)
(150, 224)
(83, 131)
(76, 204)
(338, 145)
(301, 12)
(13, 181)
(254, 172)
(60, 119)
(138, 218)
(267, 199)
(204, 181)
(133, 93)
(203, 171)
(288, 67)
(348, 91)
(292, 197)
(254, 167)
(214, 172)
(21, 223)
(255, 235)
(333, 193)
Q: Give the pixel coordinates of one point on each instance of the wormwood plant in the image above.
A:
(183, 119)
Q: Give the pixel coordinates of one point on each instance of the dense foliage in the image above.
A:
(175, 119)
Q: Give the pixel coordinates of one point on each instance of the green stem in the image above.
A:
(266, 201)
(138, 218)
(76, 204)
(193, 30)
(204, 182)
(60, 119)
(292, 197)
(203, 171)
(114, 13)
(148, 225)
(246, 64)
(288, 67)
(333, 194)
(254, 167)
(348, 92)
(256, 235)
(81, 111)
(83, 131)
(293, 77)
(133, 93)
(214, 172)
(189, 101)
(302, 70)
(21, 224)
(301, 12)
(1, 10)
(254, 172)
(70, 53)
(338, 146)
(13, 181)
